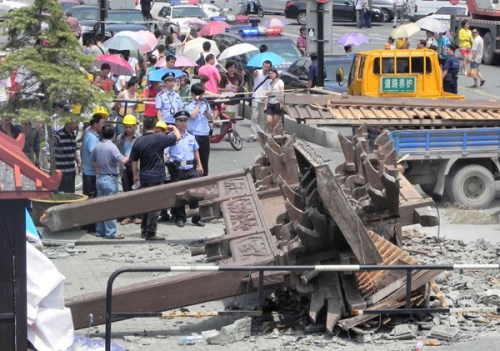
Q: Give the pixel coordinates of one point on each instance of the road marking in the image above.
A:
(481, 92)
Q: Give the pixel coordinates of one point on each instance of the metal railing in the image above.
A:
(319, 268)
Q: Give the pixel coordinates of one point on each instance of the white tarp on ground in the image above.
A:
(50, 324)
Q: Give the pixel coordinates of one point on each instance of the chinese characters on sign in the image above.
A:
(398, 84)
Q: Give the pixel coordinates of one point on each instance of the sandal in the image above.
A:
(138, 221)
(126, 221)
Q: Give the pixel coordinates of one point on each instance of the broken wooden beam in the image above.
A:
(138, 201)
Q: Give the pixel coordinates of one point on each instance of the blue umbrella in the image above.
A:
(257, 60)
(156, 75)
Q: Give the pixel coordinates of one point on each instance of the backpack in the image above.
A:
(200, 62)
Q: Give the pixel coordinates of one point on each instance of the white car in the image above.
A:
(211, 10)
(7, 6)
(178, 16)
(444, 13)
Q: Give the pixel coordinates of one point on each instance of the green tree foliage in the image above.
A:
(41, 44)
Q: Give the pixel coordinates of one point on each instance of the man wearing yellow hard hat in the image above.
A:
(161, 127)
(90, 139)
(124, 142)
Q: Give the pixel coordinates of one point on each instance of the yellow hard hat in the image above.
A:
(129, 120)
(161, 124)
(101, 110)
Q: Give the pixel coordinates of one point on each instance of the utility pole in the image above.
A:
(319, 32)
(103, 15)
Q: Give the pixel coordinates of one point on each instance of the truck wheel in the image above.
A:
(302, 18)
(489, 56)
(472, 186)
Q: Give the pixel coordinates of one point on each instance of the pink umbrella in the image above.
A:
(214, 28)
(275, 22)
(197, 22)
(147, 40)
(183, 61)
(118, 65)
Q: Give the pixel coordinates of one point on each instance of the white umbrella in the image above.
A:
(432, 25)
(405, 30)
(236, 50)
(193, 48)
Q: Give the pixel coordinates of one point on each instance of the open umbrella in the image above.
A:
(432, 25)
(183, 61)
(214, 28)
(117, 65)
(405, 30)
(193, 48)
(354, 39)
(147, 39)
(196, 22)
(236, 50)
(126, 40)
(257, 60)
(275, 22)
(156, 76)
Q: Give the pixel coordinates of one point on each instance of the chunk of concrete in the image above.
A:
(237, 331)
(403, 332)
(443, 332)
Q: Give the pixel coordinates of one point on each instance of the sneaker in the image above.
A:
(482, 82)
(155, 238)
(179, 223)
(474, 86)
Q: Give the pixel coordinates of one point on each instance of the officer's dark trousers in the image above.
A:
(180, 212)
(204, 150)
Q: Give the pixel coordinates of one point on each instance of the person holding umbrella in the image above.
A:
(273, 104)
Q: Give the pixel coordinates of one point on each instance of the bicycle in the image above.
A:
(227, 130)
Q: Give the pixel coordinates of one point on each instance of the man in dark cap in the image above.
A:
(168, 102)
(184, 163)
(450, 70)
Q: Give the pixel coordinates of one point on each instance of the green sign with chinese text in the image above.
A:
(398, 84)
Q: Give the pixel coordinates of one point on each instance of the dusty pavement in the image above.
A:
(87, 262)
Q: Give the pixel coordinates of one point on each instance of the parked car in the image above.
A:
(211, 10)
(343, 10)
(274, 6)
(67, 4)
(444, 13)
(89, 16)
(171, 16)
(387, 8)
(295, 77)
(7, 6)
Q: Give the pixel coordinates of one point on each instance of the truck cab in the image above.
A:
(413, 73)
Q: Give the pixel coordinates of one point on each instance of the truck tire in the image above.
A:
(489, 56)
(471, 186)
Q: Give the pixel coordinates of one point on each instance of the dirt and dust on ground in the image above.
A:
(459, 214)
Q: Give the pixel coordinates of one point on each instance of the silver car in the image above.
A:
(274, 6)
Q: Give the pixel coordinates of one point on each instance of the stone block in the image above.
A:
(237, 331)
(443, 332)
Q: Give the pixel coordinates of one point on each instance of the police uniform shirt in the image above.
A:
(169, 103)
(199, 125)
(183, 151)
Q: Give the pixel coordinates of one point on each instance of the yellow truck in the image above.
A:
(413, 73)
